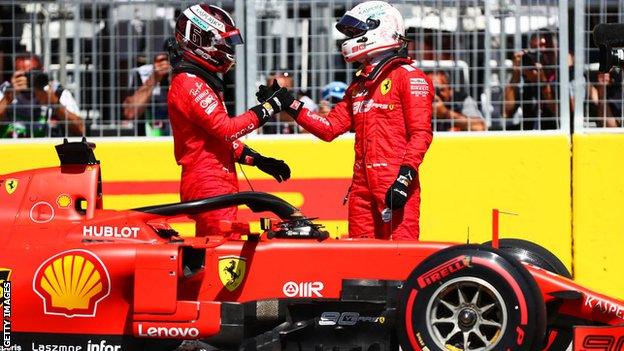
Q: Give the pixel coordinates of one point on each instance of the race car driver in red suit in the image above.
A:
(204, 135)
(389, 106)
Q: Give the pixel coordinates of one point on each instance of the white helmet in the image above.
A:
(372, 27)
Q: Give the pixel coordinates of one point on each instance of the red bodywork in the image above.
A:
(77, 269)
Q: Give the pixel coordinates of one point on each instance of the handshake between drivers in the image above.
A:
(273, 100)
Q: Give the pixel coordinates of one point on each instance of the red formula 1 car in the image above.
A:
(77, 277)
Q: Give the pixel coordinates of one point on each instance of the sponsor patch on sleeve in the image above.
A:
(419, 87)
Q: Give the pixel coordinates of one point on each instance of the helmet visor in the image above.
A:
(231, 38)
(351, 26)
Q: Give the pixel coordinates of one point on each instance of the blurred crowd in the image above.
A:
(526, 97)
(529, 99)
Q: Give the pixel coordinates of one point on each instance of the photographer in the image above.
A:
(531, 90)
(32, 106)
(146, 107)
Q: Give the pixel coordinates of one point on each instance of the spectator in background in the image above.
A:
(454, 111)
(605, 97)
(531, 90)
(428, 44)
(331, 94)
(146, 108)
(33, 106)
(334, 92)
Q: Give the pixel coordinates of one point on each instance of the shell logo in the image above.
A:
(63, 201)
(72, 283)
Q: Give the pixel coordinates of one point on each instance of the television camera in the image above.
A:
(609, 38)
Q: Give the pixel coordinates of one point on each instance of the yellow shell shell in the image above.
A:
(71, 282)
(63, 200)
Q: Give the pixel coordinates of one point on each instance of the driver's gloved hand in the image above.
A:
(264, 92)
(272, 105)
(276, 95)
(278, 169)
(396, 196)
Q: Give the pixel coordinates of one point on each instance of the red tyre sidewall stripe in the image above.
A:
(409, 328)
(551, 338)
(524, 316)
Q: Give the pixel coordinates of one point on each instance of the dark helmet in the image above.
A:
(207, 36)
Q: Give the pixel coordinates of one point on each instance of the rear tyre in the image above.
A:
(471, 297)
(559, 337)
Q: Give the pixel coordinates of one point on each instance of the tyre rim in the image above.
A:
(466, 313)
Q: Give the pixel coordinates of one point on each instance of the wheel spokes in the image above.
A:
(447, 320)
(451, 334)
(475, 298)
(466, 340)
(462, 299)
(482, 337)
(486, 308)
(491, 323)
(466, 314)
(450, 306)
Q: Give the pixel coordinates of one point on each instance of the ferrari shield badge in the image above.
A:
(386, 85)
(10, 185)
(232, 271)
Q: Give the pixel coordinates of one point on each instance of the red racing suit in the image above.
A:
(389, 107)
(205, 145)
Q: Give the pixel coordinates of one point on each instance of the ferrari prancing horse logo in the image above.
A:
(10, 185)
(232, 271)
(386, 85)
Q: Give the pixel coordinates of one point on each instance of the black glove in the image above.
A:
(264, 92)
(396, 196)
(277, 95)
(267, 109)
(278, 169)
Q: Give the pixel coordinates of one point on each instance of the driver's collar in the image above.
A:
(370, 70)
(211, 78)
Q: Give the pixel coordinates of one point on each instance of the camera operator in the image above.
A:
(605, 95)
(532, 85)
(606, 90)
(32, 106)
